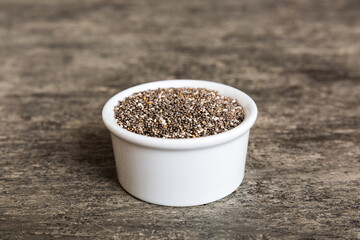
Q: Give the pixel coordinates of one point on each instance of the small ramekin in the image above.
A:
(181, 172)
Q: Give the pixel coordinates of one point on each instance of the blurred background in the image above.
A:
(60, 61)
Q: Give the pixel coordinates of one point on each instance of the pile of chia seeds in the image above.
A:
(178, 113)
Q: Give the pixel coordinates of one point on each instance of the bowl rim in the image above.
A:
(246, 102)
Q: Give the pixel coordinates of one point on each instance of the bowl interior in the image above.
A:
(245, 101)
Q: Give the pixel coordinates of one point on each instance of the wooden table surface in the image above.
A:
(61, 60)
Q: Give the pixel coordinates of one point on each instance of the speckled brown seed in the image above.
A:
(178, 113)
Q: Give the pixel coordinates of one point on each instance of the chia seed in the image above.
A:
(178, 113)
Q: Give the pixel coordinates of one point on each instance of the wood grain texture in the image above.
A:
(61, 60)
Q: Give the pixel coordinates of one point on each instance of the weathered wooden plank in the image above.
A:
(61, 60)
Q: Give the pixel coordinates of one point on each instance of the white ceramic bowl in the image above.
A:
(181, 172)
